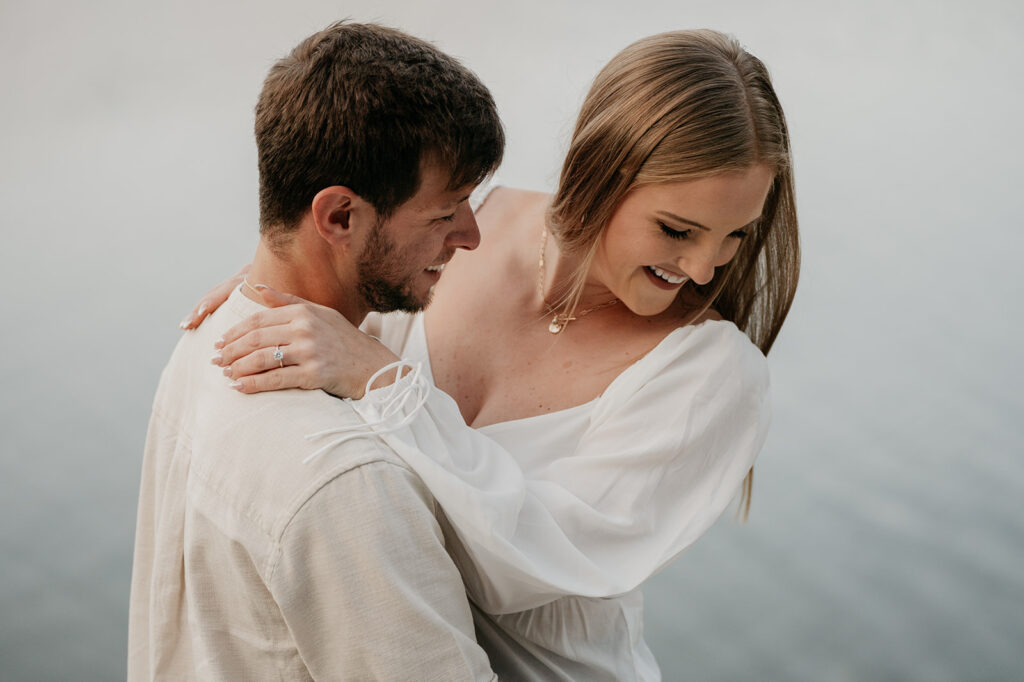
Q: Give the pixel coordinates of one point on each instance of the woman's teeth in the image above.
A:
(436, 268)
(668, 277)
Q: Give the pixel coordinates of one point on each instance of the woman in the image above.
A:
(603, 353)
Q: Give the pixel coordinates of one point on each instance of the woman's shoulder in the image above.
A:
(493, 195)
(710, 353)
(714, 337)
(709, 334)
(685, 338)
(502, 207)
(700, 379)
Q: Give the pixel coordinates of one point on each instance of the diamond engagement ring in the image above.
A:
(279, 355)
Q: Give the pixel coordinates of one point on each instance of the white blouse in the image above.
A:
(586, 502)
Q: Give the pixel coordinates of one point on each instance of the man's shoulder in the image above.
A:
(267, 454)
(258, 456)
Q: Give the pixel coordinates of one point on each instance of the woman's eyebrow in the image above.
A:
(673, 216)
(678, 219)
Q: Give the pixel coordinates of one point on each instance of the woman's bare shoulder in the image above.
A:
(504, 196)
(507, 205)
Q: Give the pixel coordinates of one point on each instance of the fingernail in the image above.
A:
(216, 358)
(227, 371)
(235, 385)
(219, 344)
(186, 322)
(261, 287)
(202, 309)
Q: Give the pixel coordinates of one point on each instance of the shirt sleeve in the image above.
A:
(366, 586)
(666, 451)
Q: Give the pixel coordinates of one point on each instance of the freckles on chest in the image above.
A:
(501, 376)
(472, 367)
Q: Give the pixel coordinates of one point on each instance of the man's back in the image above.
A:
(250, 564)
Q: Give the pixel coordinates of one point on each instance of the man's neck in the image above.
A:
(306, 268)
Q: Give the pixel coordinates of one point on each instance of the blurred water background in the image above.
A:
(886, 540)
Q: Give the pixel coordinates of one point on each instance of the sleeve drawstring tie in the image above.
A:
(390, 401)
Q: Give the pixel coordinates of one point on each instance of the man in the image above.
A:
(250, 564)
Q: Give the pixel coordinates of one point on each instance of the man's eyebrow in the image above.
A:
(454, 204)
(679, 219)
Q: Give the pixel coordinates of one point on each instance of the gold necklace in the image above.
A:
(561, 320)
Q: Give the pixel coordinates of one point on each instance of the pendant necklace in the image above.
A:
(561, 320)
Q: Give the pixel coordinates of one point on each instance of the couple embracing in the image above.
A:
(478, 490)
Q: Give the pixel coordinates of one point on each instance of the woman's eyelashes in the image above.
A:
(685, 234)
(674, 234)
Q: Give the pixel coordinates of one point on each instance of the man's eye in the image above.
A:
(674, 234)
(447, 218)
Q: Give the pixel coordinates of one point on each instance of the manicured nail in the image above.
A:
(219, 344)
(186, 322)
(216, 358)
(202, 309)
(235, 385)
(261, 287)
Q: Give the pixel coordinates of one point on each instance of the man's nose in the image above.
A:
(466, 233)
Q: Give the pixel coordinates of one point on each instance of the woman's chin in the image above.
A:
(649, 307)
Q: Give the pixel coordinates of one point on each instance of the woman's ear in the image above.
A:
(339, 213)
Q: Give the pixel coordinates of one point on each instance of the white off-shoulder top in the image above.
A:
(562, 516)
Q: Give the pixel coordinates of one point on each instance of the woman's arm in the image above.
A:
(298, 344)
(667, 448)
(666, 451)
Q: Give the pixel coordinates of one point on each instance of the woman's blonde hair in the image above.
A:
(680, 106)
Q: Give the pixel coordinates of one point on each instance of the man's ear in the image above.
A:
(338, 213)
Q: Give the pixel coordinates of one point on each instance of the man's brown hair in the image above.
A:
(365, 106)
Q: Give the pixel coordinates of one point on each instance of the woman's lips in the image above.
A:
(661, 283)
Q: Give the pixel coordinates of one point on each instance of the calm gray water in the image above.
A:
(887, 535)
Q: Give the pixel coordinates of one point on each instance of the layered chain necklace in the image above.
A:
(561, 320)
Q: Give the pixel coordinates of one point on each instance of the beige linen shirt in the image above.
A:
(250, 565)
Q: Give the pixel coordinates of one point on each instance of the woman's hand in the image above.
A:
(319, 349)
(212, 300)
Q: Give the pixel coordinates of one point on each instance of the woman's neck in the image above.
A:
(559, 270)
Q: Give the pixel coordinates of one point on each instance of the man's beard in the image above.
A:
(384, 282)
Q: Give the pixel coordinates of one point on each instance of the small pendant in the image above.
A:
(558, 323)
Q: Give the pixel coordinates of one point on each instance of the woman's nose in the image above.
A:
(698, 266)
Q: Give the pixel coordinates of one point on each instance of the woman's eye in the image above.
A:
(739, 234)
(447, 218)
(674, 234)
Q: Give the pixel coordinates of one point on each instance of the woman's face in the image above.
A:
(663, 235)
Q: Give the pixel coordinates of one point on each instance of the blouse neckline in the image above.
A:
(419, 327)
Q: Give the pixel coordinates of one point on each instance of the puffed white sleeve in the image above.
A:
(666, 451)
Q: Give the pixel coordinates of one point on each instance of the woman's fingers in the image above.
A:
(265, 359)
(271, 317)
(320, 347)
(197, 314)
(273, 380)
(262, 338)
(274, 298)
(212, 300)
